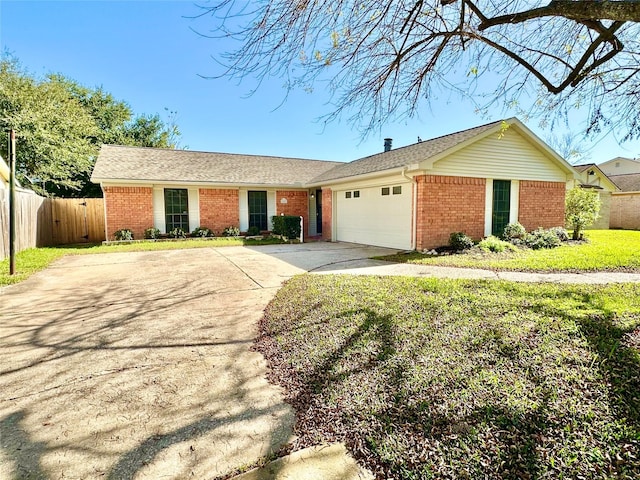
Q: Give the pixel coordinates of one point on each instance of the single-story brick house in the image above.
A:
(413, 197)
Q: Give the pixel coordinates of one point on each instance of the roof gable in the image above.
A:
(402, 156)
(592, 176)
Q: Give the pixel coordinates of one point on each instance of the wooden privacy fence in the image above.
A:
(44, 221)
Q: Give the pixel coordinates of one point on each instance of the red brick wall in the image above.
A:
(541, 204)
(327, 213)
(128, 207)
(219, 209)
(446, 205)
(297, 204)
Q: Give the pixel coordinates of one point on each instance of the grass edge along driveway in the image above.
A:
(426, 378)
(605, 250)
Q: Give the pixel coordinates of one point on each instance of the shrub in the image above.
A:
(253, 231)
(177, 233)
(151, 233)
(581, 209)
(513, 231)
(202, 232)
(123, 234)
(231, 231)
(561, 233)
(286, 225)
(494, 244)
(541, 238)
(460, 241)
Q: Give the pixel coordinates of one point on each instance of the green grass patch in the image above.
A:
(605, 250)
(427, 378)
(33, 260)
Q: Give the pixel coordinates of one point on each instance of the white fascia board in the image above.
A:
(166, 183)
(377, 178)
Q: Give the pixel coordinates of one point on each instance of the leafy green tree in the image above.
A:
(60, 126)
(581, 209)
(384, 58)
(54, 132)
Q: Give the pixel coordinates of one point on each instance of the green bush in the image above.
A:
(202, 232)
(253, 231)
(151, 233)
(460, 241)
(231, 231)
(494, 244)
(541, 238)
(581, 209)
(286, 225)
(177, 233)
(123, 234)
(561, 233)
(513, 230)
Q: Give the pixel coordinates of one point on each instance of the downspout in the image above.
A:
(414, 222)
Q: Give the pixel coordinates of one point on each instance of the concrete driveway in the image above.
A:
(138, 365)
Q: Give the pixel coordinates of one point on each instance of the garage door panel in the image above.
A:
(375, 219)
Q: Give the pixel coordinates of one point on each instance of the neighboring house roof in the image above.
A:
(596, 178)
(627, 183)
(121, 163)
(583, 167)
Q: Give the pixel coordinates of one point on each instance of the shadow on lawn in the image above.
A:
(409, 438)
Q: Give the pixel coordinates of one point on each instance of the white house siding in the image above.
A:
(373, 218)
(620, 166)
(510, 157)
(194, 208)
(159, 220)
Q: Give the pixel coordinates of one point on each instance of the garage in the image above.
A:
(378, 215)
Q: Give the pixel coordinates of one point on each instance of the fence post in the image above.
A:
(12, 202)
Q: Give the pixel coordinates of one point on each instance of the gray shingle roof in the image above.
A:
(166, 165)
(403, 156)
(117, 162)
(627, 183)
(584, 166)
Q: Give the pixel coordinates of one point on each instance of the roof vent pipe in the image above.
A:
(387, 144)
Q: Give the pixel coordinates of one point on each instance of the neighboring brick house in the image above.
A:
(413, 197)
(625, 204)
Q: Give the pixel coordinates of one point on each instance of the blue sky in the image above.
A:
(146, 53)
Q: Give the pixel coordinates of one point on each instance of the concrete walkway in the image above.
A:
(379, 267)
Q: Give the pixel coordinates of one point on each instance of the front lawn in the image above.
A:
(612, 250)
(426, 378)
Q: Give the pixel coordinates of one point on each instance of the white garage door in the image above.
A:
(378, 216)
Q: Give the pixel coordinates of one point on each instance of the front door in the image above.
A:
(501, 206)
(318, 212)
(257, 209)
